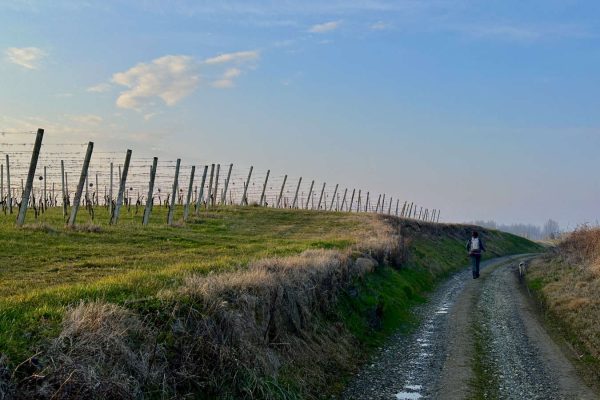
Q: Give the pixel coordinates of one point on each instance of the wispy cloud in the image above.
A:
(87, 119)
(227, 79)
(99, 88)
(240, 56)
(170, 78)
(380, 26)
(521, 33)
(26, 57)
(325, 27)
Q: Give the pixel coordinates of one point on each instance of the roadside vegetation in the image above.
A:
(567, 283)
(238, 303)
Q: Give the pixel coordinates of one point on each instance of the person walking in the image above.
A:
(475, 247)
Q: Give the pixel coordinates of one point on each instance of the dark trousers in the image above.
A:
(476, 260)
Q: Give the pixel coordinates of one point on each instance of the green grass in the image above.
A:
(46, 268)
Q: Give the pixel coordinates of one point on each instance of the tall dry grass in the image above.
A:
(570, 283)
(230, 335)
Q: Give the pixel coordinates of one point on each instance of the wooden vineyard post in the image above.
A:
(8, 193)
(262, 195)
(216, 191)
(122, 182)
(224, 197)
(390, 207)
(351, 201)
(333, 197)
(150, 198)
(397, 205)
(438, 217)
(174, 193)
(321, 196)
(245, 194)
(367, 203)
(201, 192)
(82, 181)
(281, 191)
(45, 188)
(378, 201)
(358, 202)
(210, 183)
(186, 210)
(312, 184)
(30, 176)
(110, 191)
(343, 200)
(64, 191)
(2, 183)
(296, 195)
(97, 191)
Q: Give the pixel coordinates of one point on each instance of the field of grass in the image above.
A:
(214, 298)
(46, 267)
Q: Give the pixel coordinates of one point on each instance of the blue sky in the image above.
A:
(485, 109)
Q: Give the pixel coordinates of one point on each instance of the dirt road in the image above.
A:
(477, 339)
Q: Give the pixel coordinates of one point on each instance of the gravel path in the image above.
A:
(436, 360)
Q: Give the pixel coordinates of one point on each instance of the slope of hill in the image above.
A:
(567, 283)
(238, 303)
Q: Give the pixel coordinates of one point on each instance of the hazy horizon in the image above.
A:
(485, 110)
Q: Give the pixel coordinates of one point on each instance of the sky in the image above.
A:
(482, 109)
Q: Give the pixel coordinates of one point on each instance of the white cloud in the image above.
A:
(26, 57)
(87, 119)
(99, 88)
(240, 56)
(170, 78)
(325, 27)
(226, 80)
(380, 26)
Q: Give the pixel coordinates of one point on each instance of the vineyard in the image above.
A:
(50, 176)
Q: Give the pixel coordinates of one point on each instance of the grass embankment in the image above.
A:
(239, 303)
(566, 281)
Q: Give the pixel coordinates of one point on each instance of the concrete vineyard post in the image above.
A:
(281, 191)
(83, 178)
(245, 194)
(224, 197)
(186, 210)
(30, 176)
(333, 197)
(312, 184)
(262, 194)
(150, 198)
(122, 181)
(321, 196)
(296, 195)
(210, 183)
(174, 193)
(201, 193)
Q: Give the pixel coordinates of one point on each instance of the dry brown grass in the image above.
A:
(104, 351)
(570, 278)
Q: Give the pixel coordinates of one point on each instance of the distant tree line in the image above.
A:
(550, 230)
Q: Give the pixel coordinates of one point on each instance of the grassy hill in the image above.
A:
(237, 303)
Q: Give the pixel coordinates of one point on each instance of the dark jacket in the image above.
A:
(475, 252)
